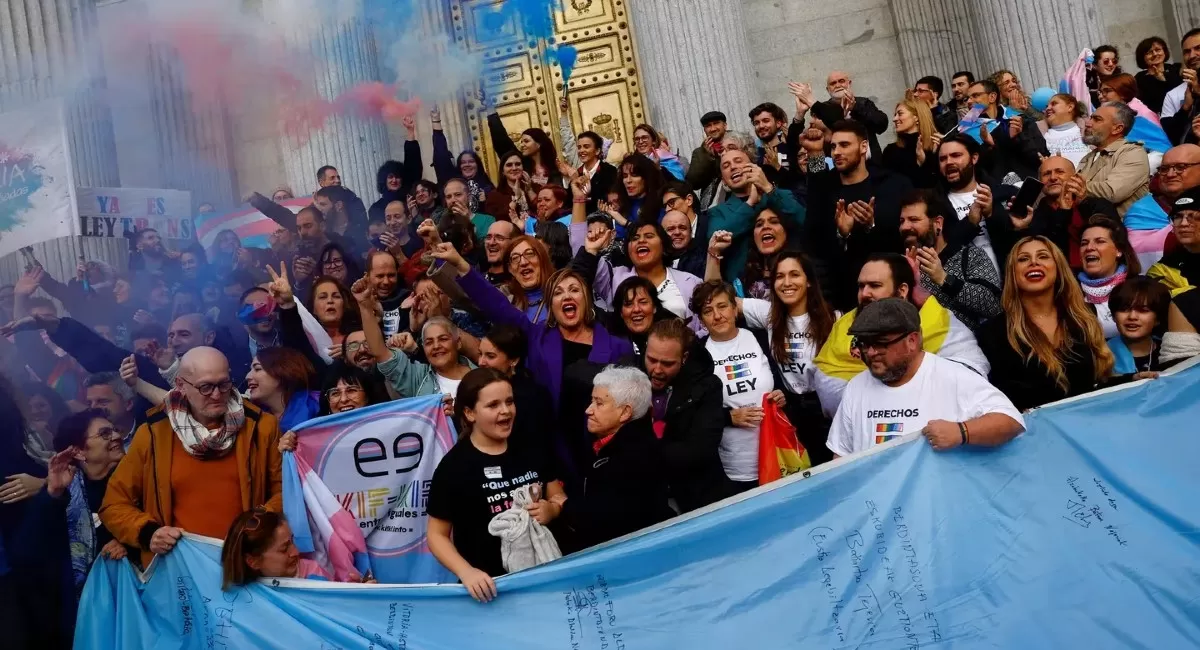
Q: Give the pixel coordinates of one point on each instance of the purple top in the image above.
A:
(545, 360)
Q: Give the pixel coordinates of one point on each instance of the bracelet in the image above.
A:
(715, 256)
(579, 200)
(962, 430)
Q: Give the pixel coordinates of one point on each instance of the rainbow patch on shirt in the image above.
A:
(737, 370)
(885, 431)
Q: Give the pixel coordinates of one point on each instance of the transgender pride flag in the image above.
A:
(251, 226)
(356, 489)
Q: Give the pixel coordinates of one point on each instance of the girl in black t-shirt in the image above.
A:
(474, 482)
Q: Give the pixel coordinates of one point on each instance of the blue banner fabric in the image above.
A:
(1082, 533)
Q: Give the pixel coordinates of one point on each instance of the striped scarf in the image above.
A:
(1097, 291)
(198, 440)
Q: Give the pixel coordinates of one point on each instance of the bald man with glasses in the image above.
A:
(202, 458)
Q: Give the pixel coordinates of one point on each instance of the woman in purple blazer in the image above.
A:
(565, 352)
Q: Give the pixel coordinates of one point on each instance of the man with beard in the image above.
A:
(775, 154)
(959, 83)
(909, 389)
(977, 207)
(687, 414)
(844, 105)
(855, 210)
(1117, 170)
(960, 276)
(1179, 111)
(1059, 215)
(888, 275)
(705, 167)
(151, 256)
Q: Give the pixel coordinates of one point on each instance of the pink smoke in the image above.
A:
(369, 100)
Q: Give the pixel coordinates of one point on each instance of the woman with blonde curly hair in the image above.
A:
(1048, 344)
(913, 153)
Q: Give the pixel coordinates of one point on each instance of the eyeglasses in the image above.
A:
(107, 433)
(672, 201)
(642, 139)
(1180, 217)
(1177, 168)
(355, 346)
(335, 263)
(529, 255)
(866, 345)
(495, 237)
(208, 390)
(346, 392)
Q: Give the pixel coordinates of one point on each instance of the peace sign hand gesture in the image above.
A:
(280, 288)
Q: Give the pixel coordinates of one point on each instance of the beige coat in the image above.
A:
(1118, 173)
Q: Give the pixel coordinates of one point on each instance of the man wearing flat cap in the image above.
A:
(907, 389)
(706, 158)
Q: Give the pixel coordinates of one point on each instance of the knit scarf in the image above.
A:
(198, 440)
(1096, 291)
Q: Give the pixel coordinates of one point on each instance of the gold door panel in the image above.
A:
(604, 92)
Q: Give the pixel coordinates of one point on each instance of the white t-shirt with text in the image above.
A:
(799, 373)
(745, 375)
(872, 413)
(962, 207)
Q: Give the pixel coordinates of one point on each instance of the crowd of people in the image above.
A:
(611, 334)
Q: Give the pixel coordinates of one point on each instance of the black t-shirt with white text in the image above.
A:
(470, 487)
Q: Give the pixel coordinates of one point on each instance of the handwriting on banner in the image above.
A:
(591, 617)
(883, 560)
(1092, 505)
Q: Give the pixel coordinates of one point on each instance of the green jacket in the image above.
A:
(411, 378)
(738, 218)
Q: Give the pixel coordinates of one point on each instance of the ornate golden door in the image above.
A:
(604, 92)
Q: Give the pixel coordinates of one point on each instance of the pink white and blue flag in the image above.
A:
(251, 226)
(356, 488)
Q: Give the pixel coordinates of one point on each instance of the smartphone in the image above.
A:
(1031, 189)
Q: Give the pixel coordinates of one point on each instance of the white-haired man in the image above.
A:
(625, 488)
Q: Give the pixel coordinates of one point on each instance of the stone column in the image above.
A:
(935, 38)
(343, 56)
(1037, 40)
(693, 58)
(49, 52)
(1186, 14)
(193, 135)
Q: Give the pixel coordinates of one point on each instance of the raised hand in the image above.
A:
(863, 212)
(813, 141)
(428, 232)
(129, 371)
(280, 288)
(931, 265)
(517, 217)
(304, 268)
(1015, 126)
(1073, 192)
(581, 186)
(29, 281)
(62, 471)
(753, 197)
(598, 239)
(410, 126)
(363, 292)
(565, 168)
(26, 324)
(843, 218)
(446, 252)
(986, 135)
(403, 341)
(162, 356)
(719, 241)
(981, 208)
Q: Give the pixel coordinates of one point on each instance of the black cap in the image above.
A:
(1189, 200)
(712, 116)
(887, 316)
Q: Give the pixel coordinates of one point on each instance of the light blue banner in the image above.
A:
(1083, 533)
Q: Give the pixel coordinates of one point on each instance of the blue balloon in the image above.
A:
(1041, 98)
